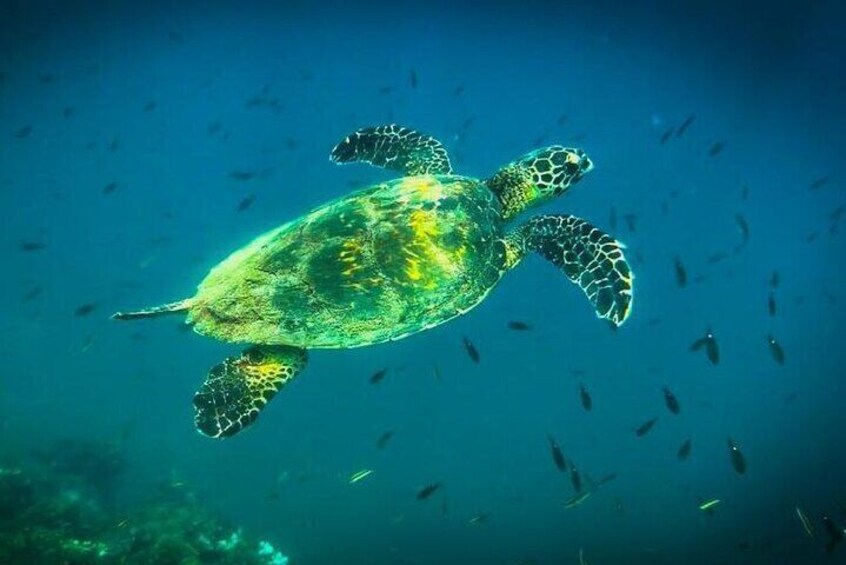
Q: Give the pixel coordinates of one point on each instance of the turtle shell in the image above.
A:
(380, 264)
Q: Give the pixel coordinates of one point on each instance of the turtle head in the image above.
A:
(537, 177)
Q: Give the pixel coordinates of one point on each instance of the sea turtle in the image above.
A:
(386, 262)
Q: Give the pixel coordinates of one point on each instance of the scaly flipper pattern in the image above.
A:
(396, 148)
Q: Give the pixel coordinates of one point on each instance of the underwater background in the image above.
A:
(140, 143)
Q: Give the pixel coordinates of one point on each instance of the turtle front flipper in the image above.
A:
(236, 390)
(589, 257)
(396, 148)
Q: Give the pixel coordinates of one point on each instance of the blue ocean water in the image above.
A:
(133, 133)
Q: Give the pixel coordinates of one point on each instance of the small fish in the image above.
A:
(67, 111)
(684, 450)
(471, 350)
(377, 377)
(110, 188)
(835, 534)
(32, 246)
(214, 128)
(436, 372)
(428, 491)
(113, 146)
(712, 349)
(776, 350)
(478, 519)
(743, 225)
(681, 273)
(359, 475)
(685, 124)
(150, 106)
(716, 148)
(717, 257)
(708, 505)
(667, 135)
(645, 427)
(775, 279)
(562, 119)
(519, 326)
(671, 401)
(459, 90)
(577, 499)
(46, 78)
(242, 175)
(85, 309)
(612, 219)
(806, 524)
(631, 222)
(412, 78)
(818, 183)
(738, 461)
(384, 439)
(386, 89)
(22, 133)
(744, 192)
(468, 121)
(246, 202)
(771, 304)
(575, 478)
(32, 294)
(557, 456)
(587, 401)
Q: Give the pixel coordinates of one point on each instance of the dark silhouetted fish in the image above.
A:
(685, 124)
(744, 192)
(519, 326)
(776, 350)
(716, 148)
(575, 478)
(562, 119)
(681, 273)
(31, 294)
(717, 257)
(246, 202)
(684, 450)
(587, 401)
(631, 222)
(386, 89)
(818, 183)
(242, 175)
(110, 188)
(709, 342)
(645, 427)
(412, 78)
(214, 128)
(557, 456)
(113, 146)
(459, 90)
(32, 245)
(377, 377)
(612, 219)
(479, 519)
(738, 461)
(835, 534)
(428, 491)
(471, 350)
(775, 279)
(743, 225)
(150, 106)
(671, 401)
(22, 133)
(384, 439)
(772, 307)
(468, 121)
(667, 135)
(85, 309)
(67, 112)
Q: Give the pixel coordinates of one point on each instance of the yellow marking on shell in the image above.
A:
(420, 188)
(423, 252)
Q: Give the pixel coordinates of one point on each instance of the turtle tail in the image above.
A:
(164, 309)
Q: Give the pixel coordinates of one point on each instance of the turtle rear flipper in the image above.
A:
(396, 148)
(589, 257)
(236, 390)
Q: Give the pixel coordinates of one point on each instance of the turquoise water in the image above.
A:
(128, 134)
